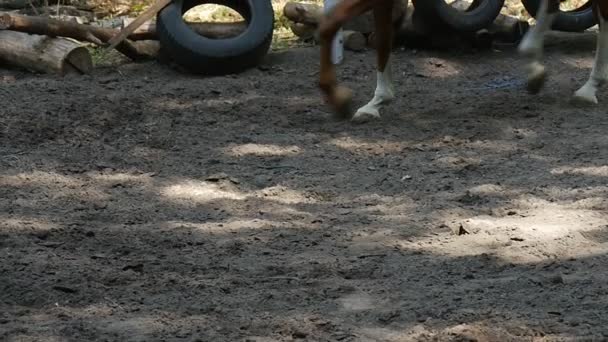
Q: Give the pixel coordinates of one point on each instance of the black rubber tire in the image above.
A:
(480, 15)
(203, 55)
(577, 20)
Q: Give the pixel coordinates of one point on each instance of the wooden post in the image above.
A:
(44, 54)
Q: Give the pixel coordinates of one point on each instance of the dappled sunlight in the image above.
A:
(204, 192)
(359, 146)
(121, 178)
(359, 301)
(51, 186)
(262, 150)
(474, 331)
(597, 171)
(385, 208)
(548, 228)
(19, 224)
(380, 147)
(233, 225)
(491, 190)
(40, 179)
(200, 192)
(284, 195)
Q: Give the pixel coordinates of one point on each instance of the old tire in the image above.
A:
(203, 55)
(479, 15)
(576, 20)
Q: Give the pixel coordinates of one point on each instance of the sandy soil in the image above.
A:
(143, 204)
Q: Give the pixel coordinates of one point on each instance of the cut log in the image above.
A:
(60, 11)
(211, 30)
(21, 4)
(147, 31)
(304, 31)
(354, 41)
(508, 28)
(58, 28)
(43, 53)
(303, 13)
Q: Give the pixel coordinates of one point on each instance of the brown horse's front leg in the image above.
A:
(339, 98)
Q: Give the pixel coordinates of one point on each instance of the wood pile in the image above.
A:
(51, 36)
(411, 29)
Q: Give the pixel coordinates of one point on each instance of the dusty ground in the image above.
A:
(142, 204)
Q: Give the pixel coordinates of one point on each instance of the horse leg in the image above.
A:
(532, 44)
(385, 92)
(338, 97)
(599, 73)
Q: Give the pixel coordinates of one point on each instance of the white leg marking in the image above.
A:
(599, 73)
(383, 95)
(532, 46)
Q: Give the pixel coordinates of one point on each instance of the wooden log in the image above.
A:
(58, 28)
(211, 30)
(147, 31)
(354, 41)
(303, 13)
(147, 15)
(303, 31)
(44, 54)
(60, 11)
(508, 28)
(22, 4)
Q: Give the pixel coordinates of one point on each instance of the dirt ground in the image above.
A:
(144, 204)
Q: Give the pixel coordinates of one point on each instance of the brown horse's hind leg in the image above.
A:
(599, 73)
(338, 97)
(532, 44)
(385, 92)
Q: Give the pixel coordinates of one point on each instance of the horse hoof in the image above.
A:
(536, 78)
(584, 100)
(342, 103)
(363, 117)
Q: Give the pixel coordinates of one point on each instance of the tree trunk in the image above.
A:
(44, 54)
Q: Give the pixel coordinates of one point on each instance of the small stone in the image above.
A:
(556, 279)
(299, 334)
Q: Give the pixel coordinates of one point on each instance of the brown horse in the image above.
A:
(339, 97)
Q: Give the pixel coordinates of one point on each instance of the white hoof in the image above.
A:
(584, 97)
(365, 115)
(537, 75)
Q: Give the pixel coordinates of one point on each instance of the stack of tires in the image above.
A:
(203, 55)
(481, 13)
